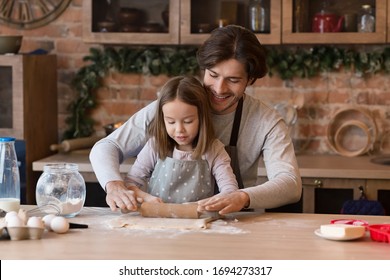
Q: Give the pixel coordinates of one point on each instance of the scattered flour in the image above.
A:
(94, 220)
(224, 227)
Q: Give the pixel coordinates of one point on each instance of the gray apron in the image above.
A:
(180, 181)
(232, 148)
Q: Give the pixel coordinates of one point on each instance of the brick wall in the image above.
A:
(122, 95)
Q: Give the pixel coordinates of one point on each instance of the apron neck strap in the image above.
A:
(236, 123)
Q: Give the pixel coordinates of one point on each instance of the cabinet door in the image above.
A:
(379, 190)
(144, 22)
(302, 12)
(324, 195)
(327, 195)
(11, 96)
(199, 17)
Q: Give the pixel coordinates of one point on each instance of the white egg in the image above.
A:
(10, 214)
(47, 220)
(35, 222)
(15, 221)
(59, 224)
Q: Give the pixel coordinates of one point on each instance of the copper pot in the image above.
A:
(151, 27)
(130, 16)
(106, 26)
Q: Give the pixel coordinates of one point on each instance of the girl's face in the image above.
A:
(225, 83)
(182, 123)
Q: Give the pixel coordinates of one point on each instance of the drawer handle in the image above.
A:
(316, 184)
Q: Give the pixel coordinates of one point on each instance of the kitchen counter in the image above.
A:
(332, 166)
(240, 236)
(82, 160)
(319, 166)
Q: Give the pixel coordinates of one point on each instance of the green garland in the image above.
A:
(287, 62)
(149, 61)
(291, 63)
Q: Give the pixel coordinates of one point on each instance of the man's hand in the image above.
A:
(144, 196)
(225, 203)
(118, 196)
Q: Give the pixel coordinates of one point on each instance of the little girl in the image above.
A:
(182, 157)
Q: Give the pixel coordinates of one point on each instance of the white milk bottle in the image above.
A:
(9, 176)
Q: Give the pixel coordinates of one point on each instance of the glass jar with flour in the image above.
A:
(61, 185)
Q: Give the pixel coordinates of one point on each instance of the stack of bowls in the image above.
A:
(352, 132)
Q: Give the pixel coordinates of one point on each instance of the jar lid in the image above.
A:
(7, 139)
(61, 167)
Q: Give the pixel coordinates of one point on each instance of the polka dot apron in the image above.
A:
(180, 181)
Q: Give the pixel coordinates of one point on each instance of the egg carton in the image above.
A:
(22, 233)
(20, 226)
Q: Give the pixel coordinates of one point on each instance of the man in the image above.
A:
(232, 59)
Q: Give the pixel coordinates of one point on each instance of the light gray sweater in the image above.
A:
(263, 133)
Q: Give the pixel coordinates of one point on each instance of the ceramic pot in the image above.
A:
(10, 44)
(130, 16)
(106, 26)
(327, 22)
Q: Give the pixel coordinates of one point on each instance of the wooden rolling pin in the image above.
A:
(174, 210)
(169, 210)
(75, 144)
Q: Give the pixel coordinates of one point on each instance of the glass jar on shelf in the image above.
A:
(301, 23)
(258, 16)
(366, 22)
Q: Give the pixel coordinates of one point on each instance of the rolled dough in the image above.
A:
(135, 221)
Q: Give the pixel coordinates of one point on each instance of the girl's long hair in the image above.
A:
(188, 90)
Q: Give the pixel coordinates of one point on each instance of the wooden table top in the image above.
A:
(241, 236)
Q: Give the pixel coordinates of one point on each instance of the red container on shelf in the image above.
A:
(380, 232)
